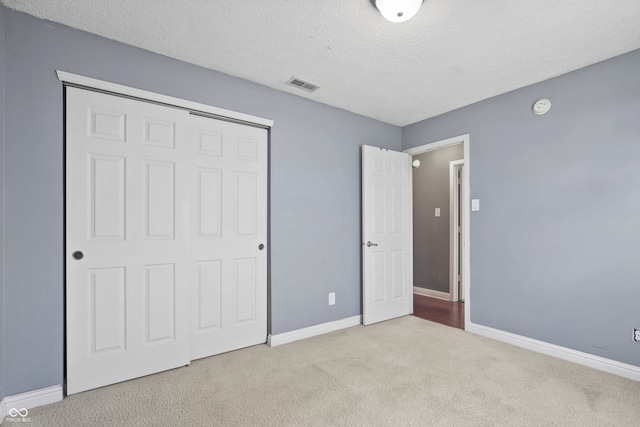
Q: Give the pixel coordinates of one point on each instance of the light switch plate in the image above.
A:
(437, 212)
(475, 205)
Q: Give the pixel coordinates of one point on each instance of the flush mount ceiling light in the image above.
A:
(397, 10)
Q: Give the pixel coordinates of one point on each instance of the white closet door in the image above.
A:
(128, 259)
(228, 236)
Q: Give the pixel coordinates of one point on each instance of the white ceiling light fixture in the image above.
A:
(398, 10)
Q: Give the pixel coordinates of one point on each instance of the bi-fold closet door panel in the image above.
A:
(138, 199)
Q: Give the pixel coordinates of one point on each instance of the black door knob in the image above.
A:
(77, 255)
(261, 246)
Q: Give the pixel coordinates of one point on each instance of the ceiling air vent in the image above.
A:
(295, 82)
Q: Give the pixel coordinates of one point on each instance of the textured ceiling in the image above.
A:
(451, 54)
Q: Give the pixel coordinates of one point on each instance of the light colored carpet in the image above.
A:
(404, 372)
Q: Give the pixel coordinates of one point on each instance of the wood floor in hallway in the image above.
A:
(436, 310)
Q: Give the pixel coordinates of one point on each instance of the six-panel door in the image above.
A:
(387, 246)
(229, 223)
(138, 201)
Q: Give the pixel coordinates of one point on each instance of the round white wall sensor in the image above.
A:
(416, 163)
(541, 106)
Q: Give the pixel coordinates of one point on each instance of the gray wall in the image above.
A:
(315, 186)
(431, 239)
(1, 201)
(554, 250)
(555, 247)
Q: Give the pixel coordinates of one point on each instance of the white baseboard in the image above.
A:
(596, 362)
(431, 293)
(31, 399)
(312, 331)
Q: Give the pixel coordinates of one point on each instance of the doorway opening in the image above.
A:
(441, 231)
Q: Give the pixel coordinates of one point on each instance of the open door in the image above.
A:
(387, 234)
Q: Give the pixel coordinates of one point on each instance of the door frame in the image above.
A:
(455, 194)
(144, 95)
(466, 229)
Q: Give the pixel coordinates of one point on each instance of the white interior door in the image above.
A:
(387, 234)
(127, 226)
(166, 227)
(228, 237)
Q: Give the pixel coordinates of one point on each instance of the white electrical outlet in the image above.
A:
(636, 335)
(332, 298)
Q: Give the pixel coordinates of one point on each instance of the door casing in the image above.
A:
(456, 210)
